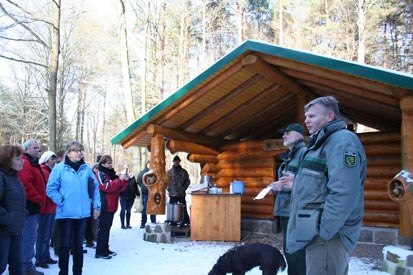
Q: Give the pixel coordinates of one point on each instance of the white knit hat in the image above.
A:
(46, 156)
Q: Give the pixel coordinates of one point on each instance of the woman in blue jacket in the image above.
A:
(68, 187)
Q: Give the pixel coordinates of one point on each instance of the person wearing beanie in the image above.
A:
(177, 185)
(46, 218)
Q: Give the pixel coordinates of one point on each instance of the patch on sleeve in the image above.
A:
(350, 159)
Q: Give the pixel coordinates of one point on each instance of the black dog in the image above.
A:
(240, 259)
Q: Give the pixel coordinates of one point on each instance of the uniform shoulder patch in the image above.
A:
(350, 159)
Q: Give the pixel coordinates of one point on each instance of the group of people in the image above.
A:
(36, 195)
(319, 191)
(55, 197)
(319, 198)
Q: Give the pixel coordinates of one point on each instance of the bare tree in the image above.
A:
(53, 69)
(130, 114)
(25, 24)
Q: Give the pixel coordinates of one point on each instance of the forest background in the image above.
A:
(84, 69)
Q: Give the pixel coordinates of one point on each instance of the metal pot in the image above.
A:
(206, 179)
(175, 212)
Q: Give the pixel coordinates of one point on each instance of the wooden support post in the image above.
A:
(406, 104)
(156, 178)
(406, 207)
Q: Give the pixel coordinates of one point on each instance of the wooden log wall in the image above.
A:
(249, 162)
(383, 152)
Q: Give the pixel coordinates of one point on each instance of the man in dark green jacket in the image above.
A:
(293, 139)
(327, 197)
(178, 182)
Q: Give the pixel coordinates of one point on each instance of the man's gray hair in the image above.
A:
(329, 102)
(29, 143)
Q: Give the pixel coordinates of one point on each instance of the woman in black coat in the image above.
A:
(127, 198)
(12, 209)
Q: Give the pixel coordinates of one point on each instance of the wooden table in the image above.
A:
(216, 217)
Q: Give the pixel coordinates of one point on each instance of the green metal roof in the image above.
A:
(388, 77)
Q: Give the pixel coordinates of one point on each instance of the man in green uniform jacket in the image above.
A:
(327, 196)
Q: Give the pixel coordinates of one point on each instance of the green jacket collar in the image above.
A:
(321, 135)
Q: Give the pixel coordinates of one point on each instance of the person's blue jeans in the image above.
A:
(29, 236)
(44, 233)
(105, 223)
(11, 254)
(144, 216)
(72, 232)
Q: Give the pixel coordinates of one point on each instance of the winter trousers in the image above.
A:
(144, 216)
(125, 210)
(296, 260)
(11, 254)
(327, 257)
(72, 232)
(105, 223)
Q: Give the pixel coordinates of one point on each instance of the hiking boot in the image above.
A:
(112, 253)
(90, 244)
(103, 256)
(51, 261)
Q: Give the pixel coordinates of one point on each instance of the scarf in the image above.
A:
(74, 165)
(33, 161)
(110, 172)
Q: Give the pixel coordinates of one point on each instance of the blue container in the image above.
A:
(237, 187)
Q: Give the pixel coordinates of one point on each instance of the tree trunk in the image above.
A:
(144, 61)
(239, 17)
(80, 113)
(203, 56)
(162, 42)
(53, 68)
(130, 115)
(361, 27)
(183, 43)
(280, 11)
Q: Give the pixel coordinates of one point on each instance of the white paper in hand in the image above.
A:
(263, 193)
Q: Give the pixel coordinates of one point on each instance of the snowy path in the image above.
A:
(182, 257)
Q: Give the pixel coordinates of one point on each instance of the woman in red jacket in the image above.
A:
(110, 186)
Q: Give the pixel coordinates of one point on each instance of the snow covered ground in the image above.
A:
(182, 257)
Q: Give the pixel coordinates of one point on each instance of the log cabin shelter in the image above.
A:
(227, 118)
